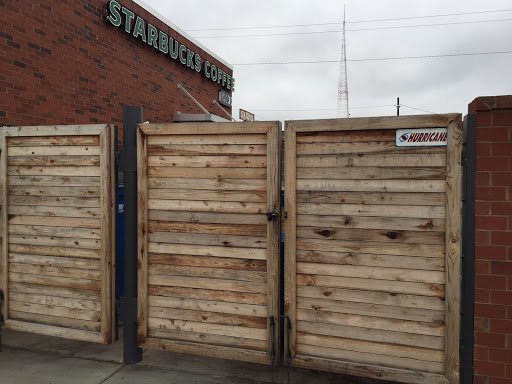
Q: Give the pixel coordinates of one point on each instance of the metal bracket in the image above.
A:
(272, 216)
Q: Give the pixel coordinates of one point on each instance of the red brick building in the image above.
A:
(79, 62)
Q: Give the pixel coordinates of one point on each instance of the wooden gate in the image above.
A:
(208, 255)
(57, 230)
(372, 252)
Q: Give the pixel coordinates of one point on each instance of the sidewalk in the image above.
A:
(37, 359)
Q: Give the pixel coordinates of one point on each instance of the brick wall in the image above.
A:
(62, 62)
(493, 240)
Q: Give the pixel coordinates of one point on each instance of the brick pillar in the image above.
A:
(493, 240)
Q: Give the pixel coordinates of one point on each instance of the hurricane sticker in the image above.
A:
(421, 137)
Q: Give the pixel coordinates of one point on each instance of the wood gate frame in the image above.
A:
(452, 244)
(273, 132)
(108, 246)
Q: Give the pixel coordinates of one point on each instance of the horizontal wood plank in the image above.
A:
(372, 173)
(54, 251)
(45, 270)
(54, 201)
(216, 273)
(371, 185)
(55, 281)
(373, 160)
(345, 136)
(219, 184)
(416, 198)
(207, 294)
(54, 241)
(56, 331)
(54, 160)
(55, 261)
(35, 289)
(40, 230)
(54, 181)
(73, 313)
(44, 299)
(415, 211)
(207, 217)
(54, 171)
(50, 141)
(212, 229)
(56, 221)
(206, 206)
(208, 262)
(54, 191)
(208, 161)
(212, 194)
(214, 284)
(207, 239)
(62, 150)
(202, 250)
(207, 139)
(208, 173)
(207, 149)
(362, 147)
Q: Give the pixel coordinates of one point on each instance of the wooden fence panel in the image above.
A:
(57, 226)
(372, 253)
(208, 276)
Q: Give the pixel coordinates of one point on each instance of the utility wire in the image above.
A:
(320, 109)
(417, 109)
(378, 58)
(353, 30)
(350, 22)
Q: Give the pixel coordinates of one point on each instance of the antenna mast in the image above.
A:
(342, 108)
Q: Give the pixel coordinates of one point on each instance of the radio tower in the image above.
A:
(342, 109)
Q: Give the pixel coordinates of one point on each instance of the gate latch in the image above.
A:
(272, 216)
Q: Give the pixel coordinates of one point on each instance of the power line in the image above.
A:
(377, 58)
(353, 30)
(350, 22)
(417, 109)
(320, 109)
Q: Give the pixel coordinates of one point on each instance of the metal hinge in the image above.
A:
(273, 216)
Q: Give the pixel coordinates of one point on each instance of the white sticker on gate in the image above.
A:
(425, 137)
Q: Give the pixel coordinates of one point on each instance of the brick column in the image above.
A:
(493, 240)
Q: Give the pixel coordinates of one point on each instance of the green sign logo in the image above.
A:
(120, 16)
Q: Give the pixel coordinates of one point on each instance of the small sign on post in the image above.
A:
(246, 116)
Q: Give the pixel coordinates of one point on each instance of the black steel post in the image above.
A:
(116, 235)
(131, 117)
(468, 250)
(1, 318)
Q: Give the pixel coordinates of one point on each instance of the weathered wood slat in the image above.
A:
(208, 173)
(208, 317)
(202, 250)
(54, 171)
(419, 211)
(55, 181)
(215, 195)
(40, 230)
(207, 139)
(397, 325)
(54, 160)
(368, 370)
(55, 130)
(346, 136)
(41, 210)
(371, 185)
(54, 201)
(372, 123)
(50, 141)
(55, 261)
(404, 287)
(205, 338)
(207, 206)
(207, 217)
(207, 149)
(49, 300)
(366, 222)
(206, 239)
(215, 329)
(216, 273)
(361, 147)
(210, 295)
(54, 251)
(208, 306)
(44, 270)
(56, 221)
(377, 273)
(205, 283)
(369, 358)
(216, 351)
(74, 293)
(208, 161)
(66, 282)
(64, 331)
(385, 311)
(372, 173)
(54, 241)
(61, 150)
(212, 229)
(208, 262)
(385, 261)
(385, 349)
(219, 184)
(207, 128)
(54, 191)
(382, 235)
(372, 297)
(373, 160)
(376, 335)
(417, 198)
(373, 247)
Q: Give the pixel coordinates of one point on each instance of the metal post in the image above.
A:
(116, 220)
(468, 250)
(131, 117)
(398, 106)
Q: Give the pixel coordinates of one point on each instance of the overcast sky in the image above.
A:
(309, 91)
